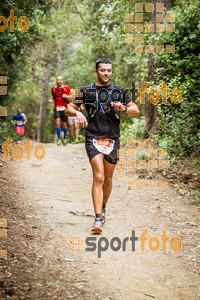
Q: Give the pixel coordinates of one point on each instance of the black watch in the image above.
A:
(125, 108)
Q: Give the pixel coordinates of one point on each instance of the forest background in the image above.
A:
(67, 37)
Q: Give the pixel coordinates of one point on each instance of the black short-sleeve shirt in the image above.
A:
(103, 120)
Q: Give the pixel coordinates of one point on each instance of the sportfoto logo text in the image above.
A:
(154, 244)
(153, 94)
(22, 23)
(17, 151)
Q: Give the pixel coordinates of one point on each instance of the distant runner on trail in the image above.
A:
(59, 94)
(19, 119)
(73, 130)
(103, 101)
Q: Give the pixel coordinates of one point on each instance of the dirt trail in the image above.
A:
(56, 192)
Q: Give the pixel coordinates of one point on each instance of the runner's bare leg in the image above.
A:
(58, 122)
(108, 175)
(98, 180)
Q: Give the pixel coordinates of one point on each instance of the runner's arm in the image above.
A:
(25, 118)
(130, 108)
(66, 94)
(72, 111)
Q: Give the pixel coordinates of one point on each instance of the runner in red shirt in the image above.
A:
(59, 93)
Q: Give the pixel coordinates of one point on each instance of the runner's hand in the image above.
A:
(118, 105)
(81, 119)
(65, 96)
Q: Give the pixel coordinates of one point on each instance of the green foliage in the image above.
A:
(16, 48)
(131, 129)
(179, 124)
(6, 129)
(49, 132)
(143, 155)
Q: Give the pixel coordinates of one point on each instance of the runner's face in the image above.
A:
(104, 73)
(59, 81)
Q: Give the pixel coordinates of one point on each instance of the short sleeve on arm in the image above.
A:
(67, 89)
(126, 96)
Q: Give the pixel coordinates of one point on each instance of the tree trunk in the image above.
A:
(150, 109)
(44, 101)
(59, 55)
(32, 71)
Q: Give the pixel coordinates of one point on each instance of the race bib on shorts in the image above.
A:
(60, 108)
(19, 123)
(104, 146)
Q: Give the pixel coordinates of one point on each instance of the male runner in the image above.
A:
(103, 101)
(59, 94)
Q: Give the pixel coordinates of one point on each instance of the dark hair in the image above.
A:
(103, 60)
